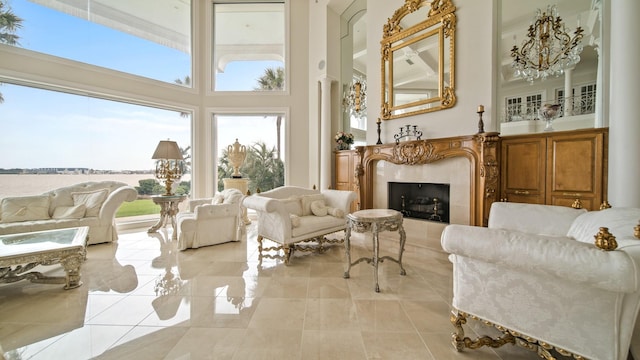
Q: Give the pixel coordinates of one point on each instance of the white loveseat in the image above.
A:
(536, 274)
(290, 214)
(93, 204)
(211, 221)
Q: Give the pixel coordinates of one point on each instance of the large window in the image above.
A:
(263, 137)
(249, 46)
(72, 138)
(118, 35)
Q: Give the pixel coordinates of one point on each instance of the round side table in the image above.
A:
(375, 221)
(168, 210)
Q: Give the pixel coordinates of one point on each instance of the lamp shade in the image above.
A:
(167, 149)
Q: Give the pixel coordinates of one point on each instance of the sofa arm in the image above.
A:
(533, 218)
(554, 256)
(113, 202)
(340, 199)
(261, 203)
(274, 221)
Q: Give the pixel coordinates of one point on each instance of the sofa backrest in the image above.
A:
(555, 220)
(64, 196)
(285, 192)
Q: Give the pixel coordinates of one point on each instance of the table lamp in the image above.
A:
(169, 163)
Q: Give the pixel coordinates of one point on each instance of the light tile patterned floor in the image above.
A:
(143, 299)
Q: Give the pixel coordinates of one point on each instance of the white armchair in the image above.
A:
(289, 214)
(536, 275)
(211, 221)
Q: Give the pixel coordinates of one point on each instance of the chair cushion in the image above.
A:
(25, 208)
(620, 222)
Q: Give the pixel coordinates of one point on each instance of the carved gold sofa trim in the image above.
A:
(460, 341)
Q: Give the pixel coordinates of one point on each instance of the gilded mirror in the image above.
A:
(418, 59)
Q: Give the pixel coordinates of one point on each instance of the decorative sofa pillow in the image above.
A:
(620, 222)
(306, 202)
(69, 212)
(318, 208)
(92, 200)
(295, 220)
(25, 208)
(292, 205)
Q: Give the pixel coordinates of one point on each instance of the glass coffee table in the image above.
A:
(20, 253)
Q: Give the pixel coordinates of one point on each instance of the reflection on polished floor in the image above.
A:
(143, 299)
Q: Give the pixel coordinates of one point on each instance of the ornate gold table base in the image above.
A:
(168, 210)
(375, 221)
(459, 341)
(20, 253)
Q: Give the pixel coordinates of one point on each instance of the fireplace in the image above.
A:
(427, 201)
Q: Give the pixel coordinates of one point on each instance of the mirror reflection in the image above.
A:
(417, 59)
(571, 84)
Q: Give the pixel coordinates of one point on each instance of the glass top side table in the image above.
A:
(168, 211)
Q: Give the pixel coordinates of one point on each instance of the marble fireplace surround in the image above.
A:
(481, 151)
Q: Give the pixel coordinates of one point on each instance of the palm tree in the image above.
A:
(9, 24)
(185, 82)
(261, 167)
(272, 80)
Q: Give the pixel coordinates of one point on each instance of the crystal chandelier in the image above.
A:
(355, 97)
(549, 49)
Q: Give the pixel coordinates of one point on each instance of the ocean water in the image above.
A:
(30, 184)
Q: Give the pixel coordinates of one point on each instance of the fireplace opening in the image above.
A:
(427, 201)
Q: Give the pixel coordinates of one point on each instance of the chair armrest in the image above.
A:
(340, 199)
(113, 202)
(533, 218)
(555, 256)
(193, 203)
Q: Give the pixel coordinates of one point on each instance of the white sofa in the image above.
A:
(211, 221)
(93, 204)
(286, 216)
(536, 275)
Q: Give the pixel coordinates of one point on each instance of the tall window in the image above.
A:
(118, 35)
(263, 137)
(77, 138)
(249, 46)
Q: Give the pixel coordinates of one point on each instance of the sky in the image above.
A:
(42, 128)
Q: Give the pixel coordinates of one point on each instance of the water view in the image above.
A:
(34, 184)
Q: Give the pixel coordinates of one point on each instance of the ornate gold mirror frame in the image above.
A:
(418, 59)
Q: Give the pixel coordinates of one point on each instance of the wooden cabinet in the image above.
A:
(555, 168)
(345, 170)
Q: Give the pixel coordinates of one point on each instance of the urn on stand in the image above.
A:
(548, 112)
(237, 154)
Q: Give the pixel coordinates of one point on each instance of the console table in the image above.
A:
(375, 221)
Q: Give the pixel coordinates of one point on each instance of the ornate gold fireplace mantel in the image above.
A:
(480, 149)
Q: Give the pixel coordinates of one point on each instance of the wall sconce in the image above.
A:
(355, 97)
(169, 164)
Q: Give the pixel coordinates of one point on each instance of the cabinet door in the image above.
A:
(575, 170)
(523, 170)
(343, 170)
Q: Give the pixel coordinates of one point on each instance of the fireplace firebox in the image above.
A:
(427, 201)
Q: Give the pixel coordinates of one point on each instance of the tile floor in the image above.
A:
(143, 299)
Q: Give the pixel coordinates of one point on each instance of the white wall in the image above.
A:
(474, 74)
